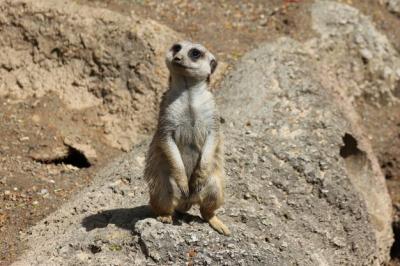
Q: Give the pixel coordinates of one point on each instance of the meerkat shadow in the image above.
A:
(124, 218)
(186, 218)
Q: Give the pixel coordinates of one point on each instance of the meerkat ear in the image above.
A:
(213, 65)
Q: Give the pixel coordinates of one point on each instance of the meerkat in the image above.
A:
(184, 163)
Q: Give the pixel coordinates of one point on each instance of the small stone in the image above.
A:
(193, 238)
(366, 54)
(339, 242)
(43, 192)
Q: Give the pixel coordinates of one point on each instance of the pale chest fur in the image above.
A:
(191, 116)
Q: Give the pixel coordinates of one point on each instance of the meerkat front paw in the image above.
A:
(184, 187)
(197, 184)
(204, 170)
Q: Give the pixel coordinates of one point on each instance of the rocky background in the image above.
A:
(309, 94)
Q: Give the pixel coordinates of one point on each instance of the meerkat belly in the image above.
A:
(193, 114)
(190, 138)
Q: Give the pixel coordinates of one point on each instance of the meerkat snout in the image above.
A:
(191, 60)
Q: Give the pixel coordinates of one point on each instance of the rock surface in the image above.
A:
(359, 64)
(354, 53)
(303, 185)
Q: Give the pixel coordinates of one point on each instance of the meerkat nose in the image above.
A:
(177, 58)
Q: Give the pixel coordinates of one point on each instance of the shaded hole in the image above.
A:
(74, 157)
(94, 249)
(395, 250)
(364, 60)
(285, 21)
(350, 146)
(387, 168)
(57, 52)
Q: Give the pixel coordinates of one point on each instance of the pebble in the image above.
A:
(366, 54)
(43, 192)
(23, 138)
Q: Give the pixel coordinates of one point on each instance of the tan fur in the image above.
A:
(184, 164)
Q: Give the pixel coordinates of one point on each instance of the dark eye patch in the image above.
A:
(176, 48)
(195, 54)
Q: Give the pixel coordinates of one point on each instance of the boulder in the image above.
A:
(359, 65)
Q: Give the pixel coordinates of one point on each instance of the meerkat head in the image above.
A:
(190, 60)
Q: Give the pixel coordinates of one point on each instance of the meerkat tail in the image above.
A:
(219, 226)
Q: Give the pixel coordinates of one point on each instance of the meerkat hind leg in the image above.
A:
(215, 222)
(163, 214)
(163, 206)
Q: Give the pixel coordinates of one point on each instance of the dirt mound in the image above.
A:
(90, 58)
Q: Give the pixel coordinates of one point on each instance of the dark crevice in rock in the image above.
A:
(350, 146)
(395, 250)
(387, 168)
(94, 249)
(143, 248)
(73, 157)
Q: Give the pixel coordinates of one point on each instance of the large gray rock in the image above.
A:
(358, 64)
(307, 140)
(354, 53)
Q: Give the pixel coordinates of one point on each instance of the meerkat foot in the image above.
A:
(167, 219)
(219, 226)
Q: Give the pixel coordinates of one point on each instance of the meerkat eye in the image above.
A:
(176, 48)
(195, 53)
